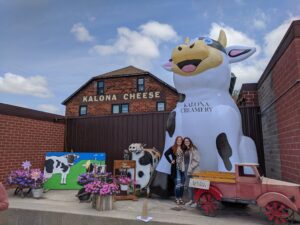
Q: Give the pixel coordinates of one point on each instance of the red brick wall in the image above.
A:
(120, 86)
(250, 98)
(27, 139)
(279, 98)
(248, 95)
(285, 74)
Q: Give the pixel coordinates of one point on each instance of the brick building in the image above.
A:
(126, 90)
(27, 134)
(248, 95)
(278, 94)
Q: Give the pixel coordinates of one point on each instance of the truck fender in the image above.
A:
(265, 198)
(212, 190)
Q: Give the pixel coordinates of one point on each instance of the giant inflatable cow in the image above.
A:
(146, 162)
(206, 112)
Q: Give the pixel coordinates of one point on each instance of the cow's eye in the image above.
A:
(207, 41)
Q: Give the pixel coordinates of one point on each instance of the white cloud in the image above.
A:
(17, 84)
(81, 33)
(234, 37)
(48, 108)
(251, 69)
(273, 38)
(260, 20)
(259, 24)
(141, 46)
(246, 71)
(159, 31)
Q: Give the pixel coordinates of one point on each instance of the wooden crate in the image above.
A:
(125, 165)
(215, 176)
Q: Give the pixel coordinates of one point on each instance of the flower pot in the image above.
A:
(102, 203)
(37, 193)
(124, 187)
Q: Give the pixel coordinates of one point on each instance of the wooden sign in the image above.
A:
(201, 184)
(123, 97)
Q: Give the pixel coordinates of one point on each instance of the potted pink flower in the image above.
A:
(102, 193)
(38, 182)
(31, 180)
(124, 182)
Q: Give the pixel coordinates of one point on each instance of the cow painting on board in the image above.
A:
(59, 164)
(63, 168)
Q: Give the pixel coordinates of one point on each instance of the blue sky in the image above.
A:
(48, 49)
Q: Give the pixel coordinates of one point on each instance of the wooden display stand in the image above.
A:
(124, 165)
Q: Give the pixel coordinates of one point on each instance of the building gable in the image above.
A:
(129, 71)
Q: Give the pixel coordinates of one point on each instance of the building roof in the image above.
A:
(11, 110)
(292, 33)
(128, 71)
(249, 87)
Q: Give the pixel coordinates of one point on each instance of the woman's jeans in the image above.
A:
(190, 190)
(179, 184)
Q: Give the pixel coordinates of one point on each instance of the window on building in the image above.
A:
(82, 110)
(124, 108)
(100, 87)
(140, 84)
(120, 108)
(160, 106)
(115, 109)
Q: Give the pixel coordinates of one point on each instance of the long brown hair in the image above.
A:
(174, 147)
(191, 144)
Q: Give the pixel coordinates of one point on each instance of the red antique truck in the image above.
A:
(278, 199)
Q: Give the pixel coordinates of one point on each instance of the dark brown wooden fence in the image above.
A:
(251, 120)
(113, 134)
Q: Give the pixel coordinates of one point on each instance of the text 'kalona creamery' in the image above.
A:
(126, 96)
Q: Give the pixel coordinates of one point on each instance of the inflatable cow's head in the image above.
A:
(205, 63)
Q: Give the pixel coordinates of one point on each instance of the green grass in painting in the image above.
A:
(54, 182)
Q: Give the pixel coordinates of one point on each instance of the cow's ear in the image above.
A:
(222, 38)
(168, 66)
(239, 53)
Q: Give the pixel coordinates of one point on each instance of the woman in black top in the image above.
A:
(175, 156)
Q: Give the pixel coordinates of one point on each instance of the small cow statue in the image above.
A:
(146, 162)
(59, 164)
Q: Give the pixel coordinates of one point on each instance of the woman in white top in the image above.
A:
(191, 160)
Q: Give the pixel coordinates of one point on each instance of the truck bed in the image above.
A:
(215, 176)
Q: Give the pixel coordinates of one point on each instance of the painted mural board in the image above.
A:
(63, 168)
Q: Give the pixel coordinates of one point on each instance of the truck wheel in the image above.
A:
(279, 213)
(208, 203)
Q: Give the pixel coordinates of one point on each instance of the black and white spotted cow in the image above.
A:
(59, 164)
(146, 162)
